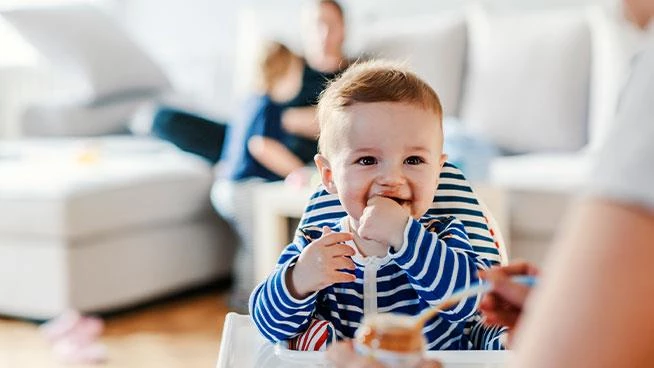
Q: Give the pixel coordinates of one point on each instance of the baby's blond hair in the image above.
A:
(373, 81)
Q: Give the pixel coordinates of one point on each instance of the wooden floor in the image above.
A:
(180, 332)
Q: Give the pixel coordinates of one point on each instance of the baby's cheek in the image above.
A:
(355, 205)
(421, 207)
(354, 190)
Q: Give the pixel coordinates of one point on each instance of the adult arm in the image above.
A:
(301, 121)
(595, 307)
(273, 155)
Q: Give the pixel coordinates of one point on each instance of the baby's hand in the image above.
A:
(320, 263)
(383, 221)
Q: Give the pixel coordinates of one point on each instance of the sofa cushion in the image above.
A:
(541, 172)
(433, 46)
(71, 189)
(81, 40)
(528, 79)
(58, 119)
(43, 277)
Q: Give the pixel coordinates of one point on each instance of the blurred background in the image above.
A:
(99, 215)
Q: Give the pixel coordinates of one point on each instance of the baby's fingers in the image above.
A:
(331, 238)
(343, 263)
(341, 277)
(340, 250)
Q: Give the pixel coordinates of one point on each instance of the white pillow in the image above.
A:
(80, 120)
(528, 79)
(80, 39)
(432, 46)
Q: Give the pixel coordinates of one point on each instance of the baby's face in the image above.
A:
(385, 149)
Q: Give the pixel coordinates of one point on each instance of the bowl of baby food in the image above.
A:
(393, 339)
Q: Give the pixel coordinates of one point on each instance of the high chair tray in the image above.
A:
(451, 359)
(243, 346)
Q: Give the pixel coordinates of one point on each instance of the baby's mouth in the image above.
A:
(400, 201)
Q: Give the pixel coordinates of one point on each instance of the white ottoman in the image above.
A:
(102, 224)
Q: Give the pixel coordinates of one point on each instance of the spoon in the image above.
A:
(411, 326)
(463, 293)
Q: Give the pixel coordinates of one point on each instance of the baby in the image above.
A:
(381, 152)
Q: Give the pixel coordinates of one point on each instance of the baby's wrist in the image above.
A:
(294, 284)
(398, 241)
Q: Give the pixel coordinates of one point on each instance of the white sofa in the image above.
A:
(105, 223)
(541, 83)
(102, 223)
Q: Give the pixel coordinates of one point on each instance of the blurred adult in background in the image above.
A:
(323, 22)
(593, 307)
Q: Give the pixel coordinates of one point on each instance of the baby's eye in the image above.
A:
(367, 161)
(414, 160)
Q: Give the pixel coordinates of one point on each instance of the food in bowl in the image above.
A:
(393, 339)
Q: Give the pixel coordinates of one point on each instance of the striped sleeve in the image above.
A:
(439, 263)
(276, 313)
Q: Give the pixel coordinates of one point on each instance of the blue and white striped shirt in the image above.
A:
(435, 259)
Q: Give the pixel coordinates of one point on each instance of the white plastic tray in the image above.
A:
(451, 359)
(243, 346)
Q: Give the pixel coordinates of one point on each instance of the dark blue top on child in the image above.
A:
(259, 116)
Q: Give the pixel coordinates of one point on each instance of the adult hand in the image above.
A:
(342, 355)
(503, 305)
(383, 220)
(321, 263)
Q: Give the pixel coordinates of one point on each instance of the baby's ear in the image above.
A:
(442, 160)
(326, 174)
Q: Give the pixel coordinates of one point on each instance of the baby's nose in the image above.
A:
(391, 176)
